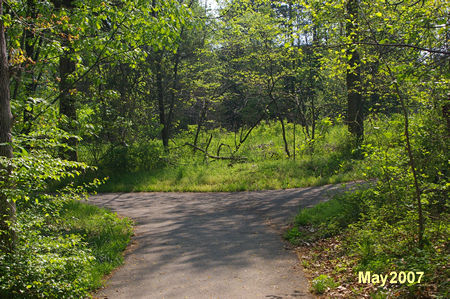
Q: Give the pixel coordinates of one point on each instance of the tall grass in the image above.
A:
(325, 160)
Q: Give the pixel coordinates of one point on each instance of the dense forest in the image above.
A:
(120, 95)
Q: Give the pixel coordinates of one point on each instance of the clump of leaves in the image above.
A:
(322, 283)
(46, 267)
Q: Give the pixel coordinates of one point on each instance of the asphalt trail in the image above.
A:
(210, 245)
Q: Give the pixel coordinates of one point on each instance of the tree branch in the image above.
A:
(237, 158)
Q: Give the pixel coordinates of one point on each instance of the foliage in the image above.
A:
(380, 223)
(62, 256)
(266, 166)
(322, 283)
(142, 156)
(328, 218)
(259, 93)
(105, 233)
(63, 249)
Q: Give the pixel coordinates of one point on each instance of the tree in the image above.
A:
(67, 105)
(355, 117)
(257, 60)
(166, 63)
(7, 205)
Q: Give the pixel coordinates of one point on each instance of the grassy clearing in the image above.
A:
(326, 161)
(218, 176)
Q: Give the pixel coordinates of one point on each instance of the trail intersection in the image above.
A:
(210, 245)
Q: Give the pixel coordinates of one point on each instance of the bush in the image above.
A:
(46, 267)
(53, 257)
(63, 255)
(139, 156)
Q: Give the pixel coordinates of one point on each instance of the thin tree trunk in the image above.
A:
(286, 145)
(412, 163)
(313, 73)
(313, 119)
(67, 103)
(173, 92)
(67, 106)
(294, 145)
(200, 122)
(7, 206)
(354, 95)
(161, 102)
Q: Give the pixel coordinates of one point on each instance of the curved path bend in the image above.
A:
(210, 245)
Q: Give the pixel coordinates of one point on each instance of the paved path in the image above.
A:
(210, 245)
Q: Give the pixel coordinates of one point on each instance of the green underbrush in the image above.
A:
(378, 226)
(64, 249)
(325, 219)
(58, 246)
(260, 163)
(380, 244)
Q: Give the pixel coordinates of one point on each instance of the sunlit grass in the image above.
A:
(219, 176)
(106, 234)
(326, 160)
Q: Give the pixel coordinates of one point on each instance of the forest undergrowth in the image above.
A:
(260, 163)
(64, 247)
(376, 229)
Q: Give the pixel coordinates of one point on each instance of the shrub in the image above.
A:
(51, 258)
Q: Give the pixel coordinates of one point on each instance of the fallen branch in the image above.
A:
(237, 158)
(220, 147)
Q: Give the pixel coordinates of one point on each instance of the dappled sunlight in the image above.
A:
(189, 242)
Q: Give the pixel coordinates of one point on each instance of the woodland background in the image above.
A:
(168, 96)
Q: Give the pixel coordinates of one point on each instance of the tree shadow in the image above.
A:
(210, 242)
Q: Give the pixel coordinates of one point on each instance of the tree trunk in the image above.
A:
(201, 119)
(412, 163)
(286, 145)
(161, 101)
(354, 96)
(67, 103)
(294, 145)
(314, 74)
(7, 206)
(159, 89)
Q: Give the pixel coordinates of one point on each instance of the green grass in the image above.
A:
(64, 249)
(321, 283)
(105, 233)
(325, 219)
(147, 167)
(321, 213)
(219, 176)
